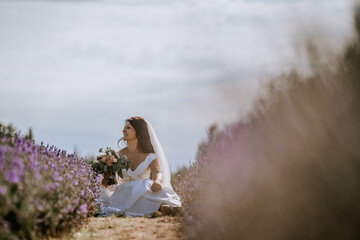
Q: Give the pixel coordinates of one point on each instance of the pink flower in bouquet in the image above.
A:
(108, 160)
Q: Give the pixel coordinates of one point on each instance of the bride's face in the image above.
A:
(129, 132)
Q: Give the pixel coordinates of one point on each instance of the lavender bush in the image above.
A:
(43, 190)
(292, 171)
(208, 183)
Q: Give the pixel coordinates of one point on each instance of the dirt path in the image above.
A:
(131, 228)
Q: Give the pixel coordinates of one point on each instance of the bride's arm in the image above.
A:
(156, 176)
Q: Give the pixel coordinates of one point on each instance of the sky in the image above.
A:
(73, 71)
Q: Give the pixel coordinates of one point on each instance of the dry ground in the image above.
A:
(112, 228)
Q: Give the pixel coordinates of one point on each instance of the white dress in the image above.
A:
(134, 197)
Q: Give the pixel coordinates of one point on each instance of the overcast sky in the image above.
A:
(75, 70)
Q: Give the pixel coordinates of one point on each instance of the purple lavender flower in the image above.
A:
(12, 177)
(83, 209)
(69, 208)
(3, 190)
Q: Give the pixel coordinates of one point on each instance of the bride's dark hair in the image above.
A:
(142, 134)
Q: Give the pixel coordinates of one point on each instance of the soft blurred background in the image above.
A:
(73, 71)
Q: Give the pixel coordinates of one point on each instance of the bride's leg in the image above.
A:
(170, 211)
(157, 214)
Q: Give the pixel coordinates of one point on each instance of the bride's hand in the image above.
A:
(155, 187)
(104, 182)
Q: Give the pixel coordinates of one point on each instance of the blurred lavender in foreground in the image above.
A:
(43, 191)
(292, 171)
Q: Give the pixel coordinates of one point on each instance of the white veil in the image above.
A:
(160, 155)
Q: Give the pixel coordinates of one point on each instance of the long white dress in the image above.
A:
(134, 197)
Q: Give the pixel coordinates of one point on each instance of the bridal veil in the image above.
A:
(161, 158)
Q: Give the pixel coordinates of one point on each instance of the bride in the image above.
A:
(145, 189)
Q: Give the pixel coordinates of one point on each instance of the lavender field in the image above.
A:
(43, 190)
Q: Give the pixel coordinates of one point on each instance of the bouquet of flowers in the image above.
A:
(109, 163)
